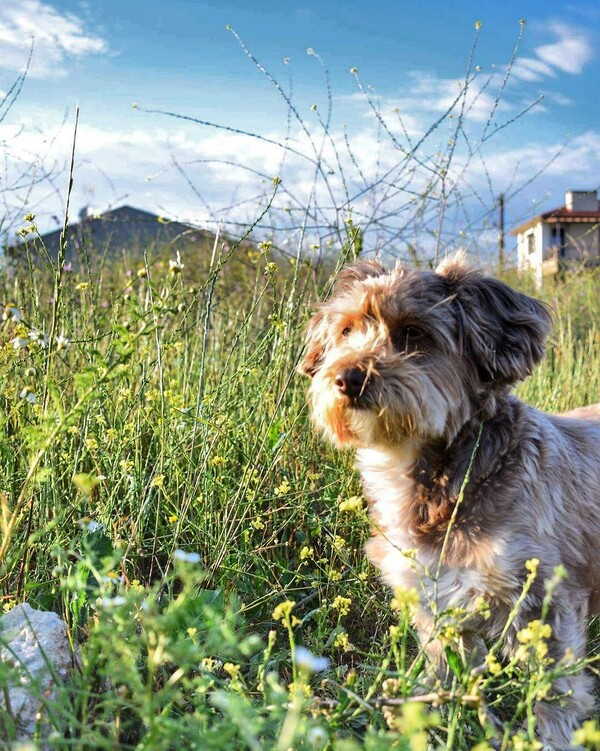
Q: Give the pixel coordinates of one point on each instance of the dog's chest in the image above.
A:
(404, 561)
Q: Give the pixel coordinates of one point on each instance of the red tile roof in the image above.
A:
(560, 214)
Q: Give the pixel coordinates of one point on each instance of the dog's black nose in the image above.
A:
(351, 382)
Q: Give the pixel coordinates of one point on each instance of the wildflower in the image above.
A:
(208, 664)
(112, 602)
(192, 631)
(173, 519)
(283, 488)
(82, 286)
(317, 737)
(492, 664)
(338, 542)
(306, 553)
(142, 273)
(157, 481)
(62, 343)
(258, 523)
(352, 504)
(308, 661)
(334, 575)
(532, 565)
(532, 638)
(217, 461)
(232, 669)
(404, 599)
(299, 688)
(175, 265)
(91, 444)
(283, 610)
(28, 395)
(126, 465)
(181, 555)
(29, 217)
(342, 641)
(342, 604)
(271, 268)
(40, 337)
(11, 313)
(19, 342)
(588, 735)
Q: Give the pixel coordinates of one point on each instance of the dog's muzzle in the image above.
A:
(351, 382)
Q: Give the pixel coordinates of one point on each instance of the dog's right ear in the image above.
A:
(314, 339)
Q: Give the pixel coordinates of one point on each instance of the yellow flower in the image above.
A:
(82, 286)
(492, 664)
(217, 461)
(587, 735)
(342, 604)
(283, 610)
(338, 542)
(532, 565)
(352, 504)
(173, 519)
(405, 599)
(283, 489)
(342, 641)
(306, 553)
(126, 465)
(300, 688)
(91, 444)
(334, 575)
(192, 631)
(157, 481)
(231, 669)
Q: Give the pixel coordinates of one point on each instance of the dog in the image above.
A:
(465, 483)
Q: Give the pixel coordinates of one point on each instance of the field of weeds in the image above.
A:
(163, 491)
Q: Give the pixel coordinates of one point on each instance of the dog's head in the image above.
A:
(413, 355)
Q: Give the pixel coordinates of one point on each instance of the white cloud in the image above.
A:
(57, 37)
(570, 53)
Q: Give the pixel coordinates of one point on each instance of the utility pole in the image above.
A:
(501, 231)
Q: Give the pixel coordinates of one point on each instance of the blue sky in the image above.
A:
(179, 56)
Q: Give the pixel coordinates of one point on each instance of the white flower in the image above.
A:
(307, 660)
(317, 737)
(175, 265)
(19, 342)
(11, 313)
(112, 602)
(181, 555)
(28, 395)
(62, 343)
(39, 337)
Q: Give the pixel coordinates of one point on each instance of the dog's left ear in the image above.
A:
(502, 329)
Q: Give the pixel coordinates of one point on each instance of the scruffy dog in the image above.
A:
(413, 368)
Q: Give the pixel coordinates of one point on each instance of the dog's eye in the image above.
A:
(346, 330)
(407, 338)
(412, 332)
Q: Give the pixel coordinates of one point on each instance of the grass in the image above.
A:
(163, 491)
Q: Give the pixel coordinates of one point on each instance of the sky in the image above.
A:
(389, 71)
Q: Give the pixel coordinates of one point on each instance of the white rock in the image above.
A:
(35, 644)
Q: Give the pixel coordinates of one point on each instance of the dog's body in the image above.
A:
(465, 482)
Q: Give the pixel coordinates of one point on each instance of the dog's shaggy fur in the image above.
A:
(413, 369)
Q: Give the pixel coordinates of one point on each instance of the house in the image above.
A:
(568, 236)
(124, 232)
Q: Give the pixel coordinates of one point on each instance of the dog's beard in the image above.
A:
(396, 405)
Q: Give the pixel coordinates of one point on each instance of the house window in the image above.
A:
(531, 243)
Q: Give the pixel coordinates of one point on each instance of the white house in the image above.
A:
(561, 238)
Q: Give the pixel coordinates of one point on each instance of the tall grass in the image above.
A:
(163, 491)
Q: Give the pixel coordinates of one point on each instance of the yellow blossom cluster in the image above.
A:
(283, 610)
(342, 604)
(353, 504)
